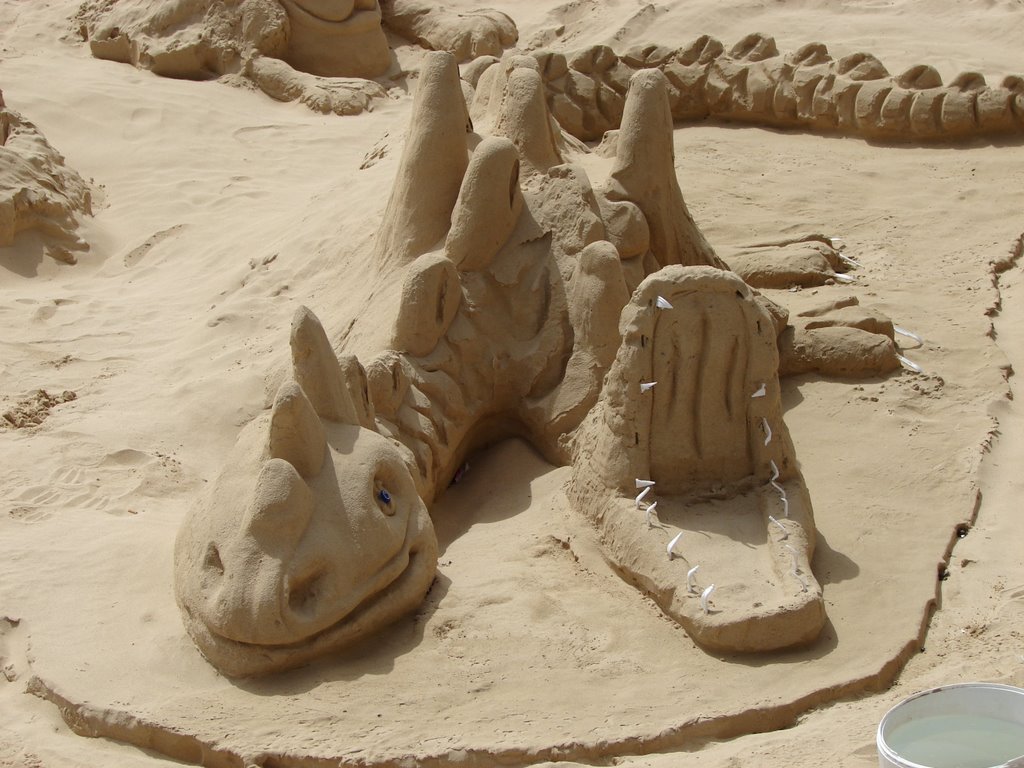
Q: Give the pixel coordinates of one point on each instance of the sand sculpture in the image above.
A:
(319, 52)
(315, 51)
(37, 190)
(807, 89)
(594, 320)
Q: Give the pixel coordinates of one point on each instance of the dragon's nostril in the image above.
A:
(212, 560)
(303, 593)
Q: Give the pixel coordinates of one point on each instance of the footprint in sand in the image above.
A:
(13, 649)
(139, 252)
(28, 514)
(109, 485)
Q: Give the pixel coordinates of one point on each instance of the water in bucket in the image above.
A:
(958, 741)
(969, 725)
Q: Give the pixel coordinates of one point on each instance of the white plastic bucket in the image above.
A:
(973, 725)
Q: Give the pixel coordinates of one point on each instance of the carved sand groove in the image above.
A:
(753, 82)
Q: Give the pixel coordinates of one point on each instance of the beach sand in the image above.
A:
(218, 211)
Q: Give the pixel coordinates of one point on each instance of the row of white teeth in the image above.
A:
(645, 486)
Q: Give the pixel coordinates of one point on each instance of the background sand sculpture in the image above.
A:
(751, 82)
(527, 628)
(754, 82)
(314, 51)
(38, 191)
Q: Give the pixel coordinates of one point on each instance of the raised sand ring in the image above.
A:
(639, 360)
(38, 191)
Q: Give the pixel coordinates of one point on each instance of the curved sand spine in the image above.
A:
(807, 89)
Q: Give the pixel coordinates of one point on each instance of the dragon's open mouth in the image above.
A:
(240, 659)
(363, 608)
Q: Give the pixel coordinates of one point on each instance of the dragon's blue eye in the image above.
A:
(384, 496)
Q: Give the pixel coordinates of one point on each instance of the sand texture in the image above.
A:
(239, 287)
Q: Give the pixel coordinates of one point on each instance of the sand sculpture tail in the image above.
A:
(805, 89)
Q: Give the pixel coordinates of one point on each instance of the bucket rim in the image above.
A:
(884, 748)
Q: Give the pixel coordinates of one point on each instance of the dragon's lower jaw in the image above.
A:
(402, 595)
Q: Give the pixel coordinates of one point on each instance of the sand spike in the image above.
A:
(296, 434)
(318, 371)
(644, 173)
(433, 163)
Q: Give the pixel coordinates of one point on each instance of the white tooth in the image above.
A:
(640, 496)
(705, 596)
(691, 580)
(910, 364)
(908, 334)
(672, 544)
(785, 532)
(649, 513)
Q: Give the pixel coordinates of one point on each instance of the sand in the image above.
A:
(218, 211)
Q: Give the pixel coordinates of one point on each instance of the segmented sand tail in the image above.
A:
(805, 89)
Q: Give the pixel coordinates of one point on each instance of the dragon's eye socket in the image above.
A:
(385, 501)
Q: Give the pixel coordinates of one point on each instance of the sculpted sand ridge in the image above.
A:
(808, 89)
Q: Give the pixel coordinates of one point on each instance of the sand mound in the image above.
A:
(38, 192)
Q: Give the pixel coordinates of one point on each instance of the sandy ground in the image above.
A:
(219, 211)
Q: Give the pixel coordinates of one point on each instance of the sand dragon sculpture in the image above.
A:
(594, 320)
